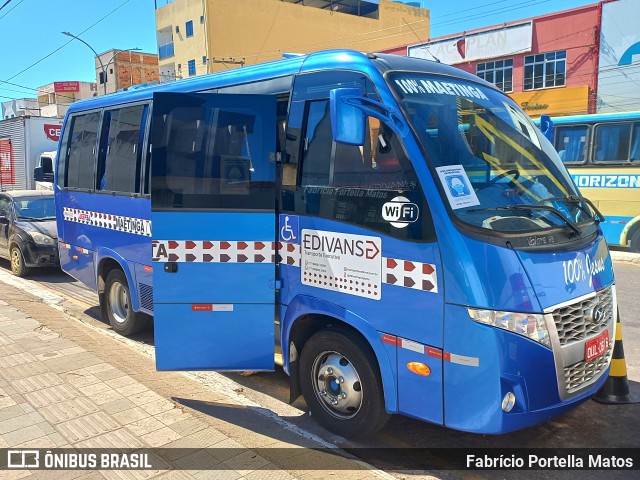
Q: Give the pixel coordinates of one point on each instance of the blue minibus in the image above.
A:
(397, 230)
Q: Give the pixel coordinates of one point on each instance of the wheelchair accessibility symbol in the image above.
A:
(289, 228)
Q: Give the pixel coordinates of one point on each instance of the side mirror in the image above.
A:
(546, 127)
(348, 122)
(38, 174)
(3, 220)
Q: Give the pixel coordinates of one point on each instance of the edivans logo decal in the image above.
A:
(342, 262)
(400, 212)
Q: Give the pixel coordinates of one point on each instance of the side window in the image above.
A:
(571, 143)
(355, 184)
(120, 168)
(635, 143)
(61, 160)
(81, 151)
(612, 143)
(5, 207)
(293, 141)
(208, 157)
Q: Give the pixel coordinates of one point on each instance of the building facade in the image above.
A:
(619, 61)
(202, 36)
(547, 64)
(20, 107)
(118, 69)
(54, 99)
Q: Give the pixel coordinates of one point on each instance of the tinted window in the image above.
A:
(612, 142)
(571, 143)
(635, 143)
(355, 183)
(81, 151)
(207, 158)
(121, 170)
(5, 206)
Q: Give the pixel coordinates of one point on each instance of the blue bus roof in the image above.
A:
(594, 118)
(344, 59)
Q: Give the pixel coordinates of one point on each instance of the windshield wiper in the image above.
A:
(546, 208)
(576, 200)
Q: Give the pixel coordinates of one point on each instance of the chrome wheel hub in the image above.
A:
(337, 385)
(118, 302)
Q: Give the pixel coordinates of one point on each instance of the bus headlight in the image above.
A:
(41, 238)
(530, 325)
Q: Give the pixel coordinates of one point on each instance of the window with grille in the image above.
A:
(545, 70)
(499, 72)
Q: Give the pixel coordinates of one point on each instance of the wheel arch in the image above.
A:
(307, 315)
(107, 261)
(629, 230)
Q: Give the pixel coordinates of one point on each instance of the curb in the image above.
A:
(626, 257)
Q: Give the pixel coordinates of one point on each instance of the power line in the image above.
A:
(5, 4)
(65, 44)
(11, 9)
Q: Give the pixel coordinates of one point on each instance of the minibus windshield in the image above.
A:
(496, 170)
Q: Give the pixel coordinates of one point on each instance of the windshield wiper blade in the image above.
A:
(546, 208)
(576, 200)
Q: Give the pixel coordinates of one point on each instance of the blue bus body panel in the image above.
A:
(561, 276)
(90, 221)
(505, 362)
(410, 310)
(486, 276)
(214, 271)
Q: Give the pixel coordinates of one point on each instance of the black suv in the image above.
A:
(28, 235)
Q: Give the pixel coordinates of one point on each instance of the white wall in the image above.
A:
(619, 66)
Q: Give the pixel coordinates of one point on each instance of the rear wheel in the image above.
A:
(18, 268)
(635, 241)
(340, 382)
(117, 298)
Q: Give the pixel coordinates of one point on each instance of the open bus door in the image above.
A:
(213, 219)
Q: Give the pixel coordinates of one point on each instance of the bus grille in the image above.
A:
(574, 322)
(582, 372)
(146, 296)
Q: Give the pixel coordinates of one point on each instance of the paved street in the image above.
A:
(63, 385)
(590, 425)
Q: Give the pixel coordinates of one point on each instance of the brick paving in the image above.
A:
(62, 385)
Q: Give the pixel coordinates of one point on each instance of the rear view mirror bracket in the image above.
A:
(348, 114)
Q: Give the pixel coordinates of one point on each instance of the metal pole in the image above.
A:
(104, 71)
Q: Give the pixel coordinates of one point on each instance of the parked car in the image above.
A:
(28, 234)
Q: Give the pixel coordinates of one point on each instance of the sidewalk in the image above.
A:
(63, 385)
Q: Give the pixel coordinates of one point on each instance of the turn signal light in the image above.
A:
(419, 368)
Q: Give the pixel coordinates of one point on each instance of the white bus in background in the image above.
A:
(43, 173)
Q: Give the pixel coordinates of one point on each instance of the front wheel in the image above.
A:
(117, 298)
(340, 382)
(18, 267)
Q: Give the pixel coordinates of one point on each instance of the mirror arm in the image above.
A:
(381, 112)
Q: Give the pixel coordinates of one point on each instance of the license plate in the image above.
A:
(596, 346)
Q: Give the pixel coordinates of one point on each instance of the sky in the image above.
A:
(33, 51)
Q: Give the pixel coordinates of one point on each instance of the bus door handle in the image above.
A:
(171, 267)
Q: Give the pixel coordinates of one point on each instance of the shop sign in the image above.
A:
(554, 101)
(497, 42)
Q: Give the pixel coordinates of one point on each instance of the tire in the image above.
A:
(18, 267)
(635, 242)
(358, 401)
(117, 300)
